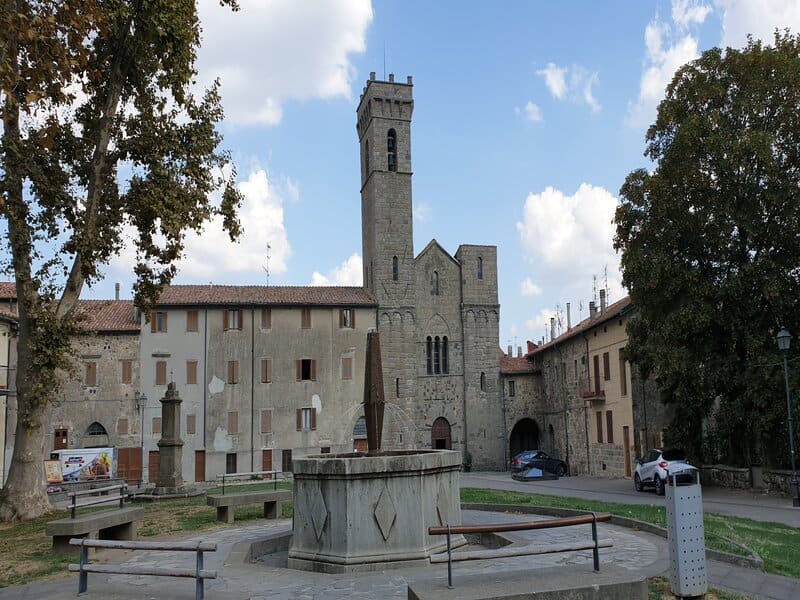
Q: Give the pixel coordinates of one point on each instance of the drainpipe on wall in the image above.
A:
(586, 407)
(252, 387)
(505, 425)
(464, 379)
(205, 374)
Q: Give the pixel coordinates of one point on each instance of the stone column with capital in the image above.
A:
(170, 446)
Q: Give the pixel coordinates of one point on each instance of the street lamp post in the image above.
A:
(784, 339)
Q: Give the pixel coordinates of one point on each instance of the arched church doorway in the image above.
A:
(440, 434)
(524, 436)
(96, 436)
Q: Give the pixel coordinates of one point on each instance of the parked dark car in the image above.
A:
(540, 460)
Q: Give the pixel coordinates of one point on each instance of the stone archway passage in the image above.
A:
(524, 436)
(440, 435)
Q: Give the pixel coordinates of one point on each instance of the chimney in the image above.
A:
(510, 350)
(116, 291)
(592, 309)
(569, 320)
(519, 351)
(552, 328)
(602, 301)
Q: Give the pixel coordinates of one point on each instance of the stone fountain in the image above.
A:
(367, 512)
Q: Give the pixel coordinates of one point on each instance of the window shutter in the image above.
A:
(606, 367)
(152, 322)
(313, 370)
(122, 426)
(156, 424)
(269, 370)
(313, 419)
(165, 322)
(353, 318)
(239, 318)
(299, 418)
(266, 421)
(161, 372)
(225, 320)
(599, 427)
(233, 422)
(191, 424)
(266, 318)
(299, 368)
(341, 318)
(610, 426)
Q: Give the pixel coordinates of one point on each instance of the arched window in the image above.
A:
(395, 269)
(480, 268)
(483, 382)
(429, 355)
(445, 367)
(391, 148)
(366, 158)
(96, 429)
(437, 356)
(435, 283)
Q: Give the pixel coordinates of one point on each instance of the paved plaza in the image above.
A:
(638, 552)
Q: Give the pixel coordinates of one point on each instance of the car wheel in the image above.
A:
(561, 470)
(659, 485)
(637, 483)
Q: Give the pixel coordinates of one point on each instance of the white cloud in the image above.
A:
(348, 273)
(528, 288)
(568, 240)
(688, 12)
(531, 112)
(757, 18)
(573, 82)
(292, 189)
(555, 80)
(422, 212)
(269, 53)
(666, 51)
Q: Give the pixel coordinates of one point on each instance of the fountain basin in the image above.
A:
(355, 512)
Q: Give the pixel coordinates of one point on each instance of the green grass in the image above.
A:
(777, 544)
(658, 588)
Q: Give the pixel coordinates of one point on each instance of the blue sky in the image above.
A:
(528, 116)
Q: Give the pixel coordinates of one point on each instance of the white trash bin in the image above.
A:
(685, 533)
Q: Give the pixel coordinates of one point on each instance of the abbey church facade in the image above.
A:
(438, 314)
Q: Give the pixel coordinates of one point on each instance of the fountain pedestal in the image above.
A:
(356, 512)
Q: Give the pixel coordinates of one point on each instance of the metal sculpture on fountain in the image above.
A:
(374, 401)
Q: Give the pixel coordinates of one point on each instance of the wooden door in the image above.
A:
(199, 465)
(152, 466)
(266, 461)
(626, 444)
(129, 465)
(60, 439)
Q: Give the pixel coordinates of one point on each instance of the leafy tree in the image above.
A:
(102, 135)
(710, 242)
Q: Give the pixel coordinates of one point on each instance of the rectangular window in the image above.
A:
(325, 450)
(397, 387)
(191, 372)
(266, 370)
(306, 419)
(192, 321)
(122, 426)
(233, 371)
(610, 426)
(156, 425)
(233, 319)
(230, 463)
(347, 367)
(606, 366)
(266, 318)
(306, 369)
(158, 321)
(575, 367)
(347, 318)
(90, 377)
(623, 373)
(599, 415)
(512, 389)
(127, 371)
(191, 424)
(266, 421)
(60, 441)
(286, 461)
(161, 372)
(233, 422)
(305, 318)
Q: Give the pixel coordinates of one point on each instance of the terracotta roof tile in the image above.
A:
(511, 365)
(193, 295)
(8, 290)
(612, 311)
(108, 315)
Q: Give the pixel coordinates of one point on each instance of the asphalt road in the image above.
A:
(722, 501)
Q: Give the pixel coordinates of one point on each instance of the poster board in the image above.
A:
(52, 471)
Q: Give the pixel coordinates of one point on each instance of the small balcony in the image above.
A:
(591, 392)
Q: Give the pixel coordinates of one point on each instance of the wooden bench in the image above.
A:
(117, 524)
(226, 503)
(198, 573)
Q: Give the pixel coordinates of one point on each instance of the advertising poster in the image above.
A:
(52, 470)
(86, 463)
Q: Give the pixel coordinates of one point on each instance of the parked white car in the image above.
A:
(651, 469)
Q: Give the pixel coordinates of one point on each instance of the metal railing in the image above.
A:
(449, 530)
(250, 474)
(199, 573)
(122, 498)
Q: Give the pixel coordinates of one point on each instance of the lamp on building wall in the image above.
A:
(784, 340)
(141, 402)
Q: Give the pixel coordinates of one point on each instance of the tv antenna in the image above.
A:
(266, 268)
